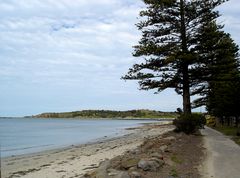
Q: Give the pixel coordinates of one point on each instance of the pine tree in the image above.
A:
(217, 55)
(217, 70)
(223, 96)
(170, 32)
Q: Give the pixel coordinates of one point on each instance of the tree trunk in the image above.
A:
(237, 124)
(237, 121)
(222, 120)
(185, 82)
(228, 121)
(186, 92)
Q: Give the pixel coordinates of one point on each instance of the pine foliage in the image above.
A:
(172, 35)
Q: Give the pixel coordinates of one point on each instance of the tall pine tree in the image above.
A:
(170, 31)
(217, 69)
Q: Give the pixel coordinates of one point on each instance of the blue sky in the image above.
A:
(65, 55)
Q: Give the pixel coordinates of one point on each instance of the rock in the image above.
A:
(148, 146)
(113, 173)
(170, 138)
(101, 174)
(163, 148)
(105, 164)
(122, 174)
(159, 161)
(148, 165)
(135, 174)
(157, 155)
(87, 175)
(132, 168)
(130, 162)
(135, 151)
(101, 171)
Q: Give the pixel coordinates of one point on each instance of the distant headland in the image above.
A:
(130, 114)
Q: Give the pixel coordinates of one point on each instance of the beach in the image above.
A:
(76, 160)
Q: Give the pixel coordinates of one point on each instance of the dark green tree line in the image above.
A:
(220, 77)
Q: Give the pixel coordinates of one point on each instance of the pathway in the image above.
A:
(223, 155)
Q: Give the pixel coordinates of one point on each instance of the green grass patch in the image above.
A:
(229, 131)
(236, 139)
(173, 172)
(176, 159)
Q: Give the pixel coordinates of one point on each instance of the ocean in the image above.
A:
(30, 135)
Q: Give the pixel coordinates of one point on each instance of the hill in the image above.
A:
(109, 114)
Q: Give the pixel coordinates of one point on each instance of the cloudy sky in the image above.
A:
(65, 55)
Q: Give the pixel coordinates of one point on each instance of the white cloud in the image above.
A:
(230, 18)
(82, 46)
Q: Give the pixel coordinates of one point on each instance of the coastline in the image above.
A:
(36, 135)
(108, 118)
(76, 160)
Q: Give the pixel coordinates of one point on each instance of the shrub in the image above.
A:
(189, 123)
(238, 132)
(210, 121)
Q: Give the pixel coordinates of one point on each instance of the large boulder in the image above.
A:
(150, 164)
(130, 162)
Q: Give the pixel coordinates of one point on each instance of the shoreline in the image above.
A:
(76, 160)
(37, 140)
(99, 118)
(64, 147)
(168, 155)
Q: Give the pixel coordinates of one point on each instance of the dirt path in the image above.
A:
(223, 155)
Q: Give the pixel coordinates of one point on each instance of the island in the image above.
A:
(130, 114)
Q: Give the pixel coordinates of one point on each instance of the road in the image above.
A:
(223, 155)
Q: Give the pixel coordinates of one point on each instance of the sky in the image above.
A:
(67, 55)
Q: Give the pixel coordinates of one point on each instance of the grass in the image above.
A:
(173, 172)
(236, 139)
(176, 159)
(230, 131)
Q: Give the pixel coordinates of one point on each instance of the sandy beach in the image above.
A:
(76, 160)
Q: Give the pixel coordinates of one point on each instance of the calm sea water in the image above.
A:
(25, 135)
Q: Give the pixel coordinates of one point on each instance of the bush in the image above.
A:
(189, 123)
(238, 132)
(210, 121)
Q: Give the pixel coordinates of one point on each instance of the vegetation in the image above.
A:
(172, 44)
(189, 123)
(220, 80)
(109, 114)
(210, 121)
(228, 128)
(231, 131)
(176, 159)
(174, 172)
